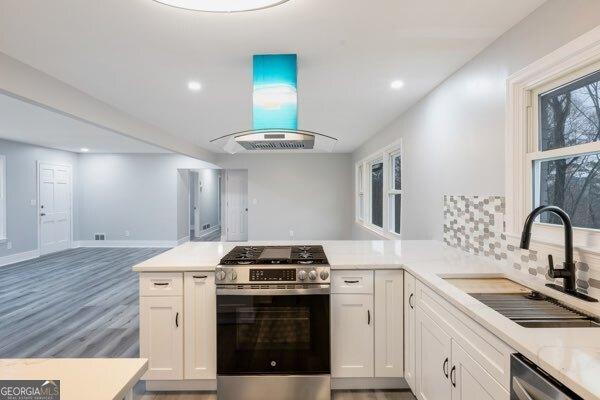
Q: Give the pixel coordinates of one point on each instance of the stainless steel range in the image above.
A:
(273, 324)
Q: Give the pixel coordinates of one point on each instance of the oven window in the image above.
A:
(273, 334)
(274, 328)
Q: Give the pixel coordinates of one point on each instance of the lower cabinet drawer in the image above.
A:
(485, 348)
(352, 281)
(161, 284)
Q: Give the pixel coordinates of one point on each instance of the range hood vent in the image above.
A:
(276, 140)
(275, 111)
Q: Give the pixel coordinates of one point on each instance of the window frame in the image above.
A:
(392, 191)
(568, 63)
(3, 191)
(383, 155)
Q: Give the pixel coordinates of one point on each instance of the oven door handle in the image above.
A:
(272, 292)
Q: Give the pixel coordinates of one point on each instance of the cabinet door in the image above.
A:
(161, 336)
(389, 333)
(432, 359)
(470, 380)
(409, 330)
(351, 335)
(200, 357)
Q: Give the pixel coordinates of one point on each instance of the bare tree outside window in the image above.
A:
(377, 194)
(569, 116)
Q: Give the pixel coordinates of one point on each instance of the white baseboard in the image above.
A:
(183, 240)
(206, 232)
(18, 257)
(125, 243)
(368, 383)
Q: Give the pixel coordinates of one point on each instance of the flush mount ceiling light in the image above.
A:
(397, 84)
(194, 86)
(84, 149)
(224, 6)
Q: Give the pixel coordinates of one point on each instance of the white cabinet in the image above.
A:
(455, 360)
(352, 335)
(161, 336)
(388, 316)
(200, 360)
(433, 348)
(470, 380)
(409, 330)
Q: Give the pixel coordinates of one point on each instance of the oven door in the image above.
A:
(270, 332)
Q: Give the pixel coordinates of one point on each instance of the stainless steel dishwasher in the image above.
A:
(529, 382)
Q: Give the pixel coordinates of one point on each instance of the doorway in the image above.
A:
(205, 205)
(54, 207)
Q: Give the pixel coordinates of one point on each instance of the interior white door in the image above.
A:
(433, 359)
(54, 207)
(352, 335)
(236, 188)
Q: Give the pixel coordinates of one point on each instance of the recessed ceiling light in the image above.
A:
(397, 84)
(84, 149)
(222, 5)
(194, 85)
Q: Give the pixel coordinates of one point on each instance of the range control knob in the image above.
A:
(233, 275)
(302, 275)
(220, 275)
(312, 275)
(324, 274)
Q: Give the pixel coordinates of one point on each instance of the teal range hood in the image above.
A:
(275, 110)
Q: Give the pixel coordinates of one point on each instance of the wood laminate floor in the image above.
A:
(76, 303)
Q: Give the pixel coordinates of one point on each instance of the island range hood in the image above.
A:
(275, 111)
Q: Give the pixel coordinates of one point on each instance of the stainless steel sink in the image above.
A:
(534, 310)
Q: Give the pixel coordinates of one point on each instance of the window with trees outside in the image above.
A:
(566, 157)
(379, 191)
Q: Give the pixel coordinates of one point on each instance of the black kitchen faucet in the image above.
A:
(569, 273)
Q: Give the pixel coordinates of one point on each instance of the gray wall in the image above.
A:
(208, 199)
(310, 194)
(454, 137)
(139, 193)
(21, 176)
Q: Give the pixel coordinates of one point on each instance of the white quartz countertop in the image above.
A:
(571, 355)
(80, 378)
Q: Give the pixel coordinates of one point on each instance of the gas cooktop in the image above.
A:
(275, 255)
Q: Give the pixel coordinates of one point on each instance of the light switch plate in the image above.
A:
(33, 202)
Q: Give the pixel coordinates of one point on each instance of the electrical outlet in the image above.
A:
(8, 245)
(291, 233)
(254, 202)
(127, 233)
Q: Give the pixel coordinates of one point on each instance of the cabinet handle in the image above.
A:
(161, 283)
(368, 317)
(453, 376)
(177, 320)
(200, 276)
(410, 300)
(351, 281)
(445, 367)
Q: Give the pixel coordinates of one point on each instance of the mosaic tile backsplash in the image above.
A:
(475, 224)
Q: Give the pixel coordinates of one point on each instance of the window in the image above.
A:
(376, 194)
(395, 192)
(569, 121)
(553, 138)
(2, 198)
(379, 206)
(360, 189)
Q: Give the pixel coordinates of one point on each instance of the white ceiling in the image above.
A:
(138, 55)
(25, 122)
